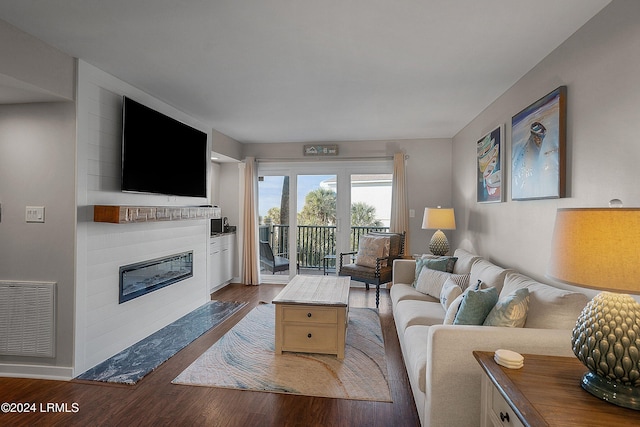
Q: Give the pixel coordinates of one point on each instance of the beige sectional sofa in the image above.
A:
(444, 376)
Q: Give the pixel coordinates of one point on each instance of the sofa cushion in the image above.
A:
(430, 281)
(450, 291)
(549, 307)
(415, 338)
(370, 248)
(402, 291)
(475, 306)
(510, 311)
(464, 262)
(489, 273)
(412, 312)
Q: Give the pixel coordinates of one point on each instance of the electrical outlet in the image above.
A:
(34, 214)
(412, 213)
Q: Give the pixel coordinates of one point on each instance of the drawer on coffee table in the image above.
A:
(310, 338)
(309, 314)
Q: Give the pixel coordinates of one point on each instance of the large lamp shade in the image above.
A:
(600, 248)
(597, 248)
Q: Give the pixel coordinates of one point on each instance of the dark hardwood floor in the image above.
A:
(154, 401)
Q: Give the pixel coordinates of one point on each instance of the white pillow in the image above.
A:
(450, 315)
(450, 291)
(430, 281)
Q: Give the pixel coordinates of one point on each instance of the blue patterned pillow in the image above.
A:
(475, 306)
(450, 291)
(510, 311)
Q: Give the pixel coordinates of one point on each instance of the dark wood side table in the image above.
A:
(545, 392)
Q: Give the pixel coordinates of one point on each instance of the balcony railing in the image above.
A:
(313, 241)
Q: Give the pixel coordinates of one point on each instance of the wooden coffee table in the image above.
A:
(312, 315)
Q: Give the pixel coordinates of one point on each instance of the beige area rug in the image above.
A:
(244, 358)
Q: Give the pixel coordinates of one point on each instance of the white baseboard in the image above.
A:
(36, 371)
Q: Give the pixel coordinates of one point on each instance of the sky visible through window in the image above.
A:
(270, 190)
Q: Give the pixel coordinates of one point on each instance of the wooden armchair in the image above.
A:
(378, 268)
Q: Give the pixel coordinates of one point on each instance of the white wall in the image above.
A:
(600, 65)
(37, 149)
(104, 327)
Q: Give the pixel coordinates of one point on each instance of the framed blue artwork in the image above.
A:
(538, 141)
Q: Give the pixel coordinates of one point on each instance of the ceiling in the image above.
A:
(303, 70)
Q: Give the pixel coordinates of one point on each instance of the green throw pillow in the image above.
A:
(510, 311)
(475, 306)
(444, 264)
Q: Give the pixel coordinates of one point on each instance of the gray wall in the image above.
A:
(428, 171)
(37, 168)
(32, 69)
(600, 65)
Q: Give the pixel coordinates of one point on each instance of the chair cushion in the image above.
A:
(370, 248)
(358, 272)
(280, 261)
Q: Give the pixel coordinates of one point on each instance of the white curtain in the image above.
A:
(399, 203)
(250, 270)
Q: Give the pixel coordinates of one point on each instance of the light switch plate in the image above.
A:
(34, 214)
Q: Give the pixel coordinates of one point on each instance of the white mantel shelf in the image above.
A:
(118, 214)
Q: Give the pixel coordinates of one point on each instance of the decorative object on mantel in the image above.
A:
(321, 150)
(439, 219)
(538, 141)
(489, 171)
(598, 248)
(117, 214)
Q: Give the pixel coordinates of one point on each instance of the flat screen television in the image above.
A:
(160, 154)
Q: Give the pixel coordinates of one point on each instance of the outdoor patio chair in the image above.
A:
(271, 262)
(373, 263)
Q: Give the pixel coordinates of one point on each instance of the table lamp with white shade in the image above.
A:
(439, 219)
(599, 248)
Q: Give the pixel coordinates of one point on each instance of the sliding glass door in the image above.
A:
(310, 212)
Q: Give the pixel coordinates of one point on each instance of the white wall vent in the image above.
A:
(27, 318)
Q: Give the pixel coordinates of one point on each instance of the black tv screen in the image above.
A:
(160, 154)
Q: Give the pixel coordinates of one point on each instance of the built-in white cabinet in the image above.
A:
(221, 259)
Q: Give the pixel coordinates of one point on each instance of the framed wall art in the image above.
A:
(489, 167)
(538, 141)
